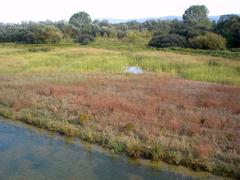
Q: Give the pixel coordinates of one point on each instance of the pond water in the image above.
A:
(134, 70)
(31, 153)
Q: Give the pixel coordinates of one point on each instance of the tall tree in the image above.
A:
(197, 15)
(80, 19)
(229, 27)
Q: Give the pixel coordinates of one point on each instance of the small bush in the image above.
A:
(83, 119)
(157, 151)
(128, 127)
(170, 40)
(84, 39)
(135, 150)
(173, 156)
(116, 146)
(213, 63)
(208, 41)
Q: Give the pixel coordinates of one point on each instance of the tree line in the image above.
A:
(195, 30)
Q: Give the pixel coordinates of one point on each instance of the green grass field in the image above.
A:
(115, 58)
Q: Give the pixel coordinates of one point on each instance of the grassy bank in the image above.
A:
(85, 92)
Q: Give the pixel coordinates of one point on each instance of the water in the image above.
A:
(30, 153)
(134, 70)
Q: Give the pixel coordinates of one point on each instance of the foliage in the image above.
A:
(209, 41)
(197, 15)
(229, 27)
(80, 20)
(31, 33)
(52, 35)
(80, 28)
(171, 40)
(186, 30)
(84, 39)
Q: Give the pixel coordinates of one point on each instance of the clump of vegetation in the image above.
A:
(84, 39)
(84, 119)
(213, 63)
(229, 27)
(39, 49)
(135, 150)
(209, 41)
(128, 127)
(171, 40)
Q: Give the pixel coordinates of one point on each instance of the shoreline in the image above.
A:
(66, 131)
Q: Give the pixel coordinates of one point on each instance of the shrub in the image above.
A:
(128, 127)
(209, 41)
(84, 39)
(132, 36)
(157, 151)
(121, 34)
(134, 150)
(170, 40)
(52, 34)
(83, 119)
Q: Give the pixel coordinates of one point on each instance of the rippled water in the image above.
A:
(30, 153)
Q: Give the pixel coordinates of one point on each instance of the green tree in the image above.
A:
(197, 15)
(185, 30)
(52, 34)
(229, 27)
(80, 20)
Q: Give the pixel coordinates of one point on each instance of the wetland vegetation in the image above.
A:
(183, 107)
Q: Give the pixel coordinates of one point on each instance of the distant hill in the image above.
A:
(141, 20)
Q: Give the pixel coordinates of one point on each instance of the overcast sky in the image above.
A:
(37, 10)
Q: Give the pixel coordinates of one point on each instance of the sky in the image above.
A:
(14, 11)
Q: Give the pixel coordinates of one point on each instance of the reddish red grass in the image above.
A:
(224, 97)
(204, 150)
(21, 104)
(194, 128)
(149, 103)
(61, 90)
(175, 125)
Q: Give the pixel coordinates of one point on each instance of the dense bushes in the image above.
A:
(30, 33)
(84, 39)
(195, 31)
(51, 34)
(170, 40)
(209, 41)
(229, 27)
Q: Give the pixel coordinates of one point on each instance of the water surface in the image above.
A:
(134, 70)
(30, 153)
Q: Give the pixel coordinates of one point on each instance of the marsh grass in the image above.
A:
(77, 59)
(147, 116)
(84, 91)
